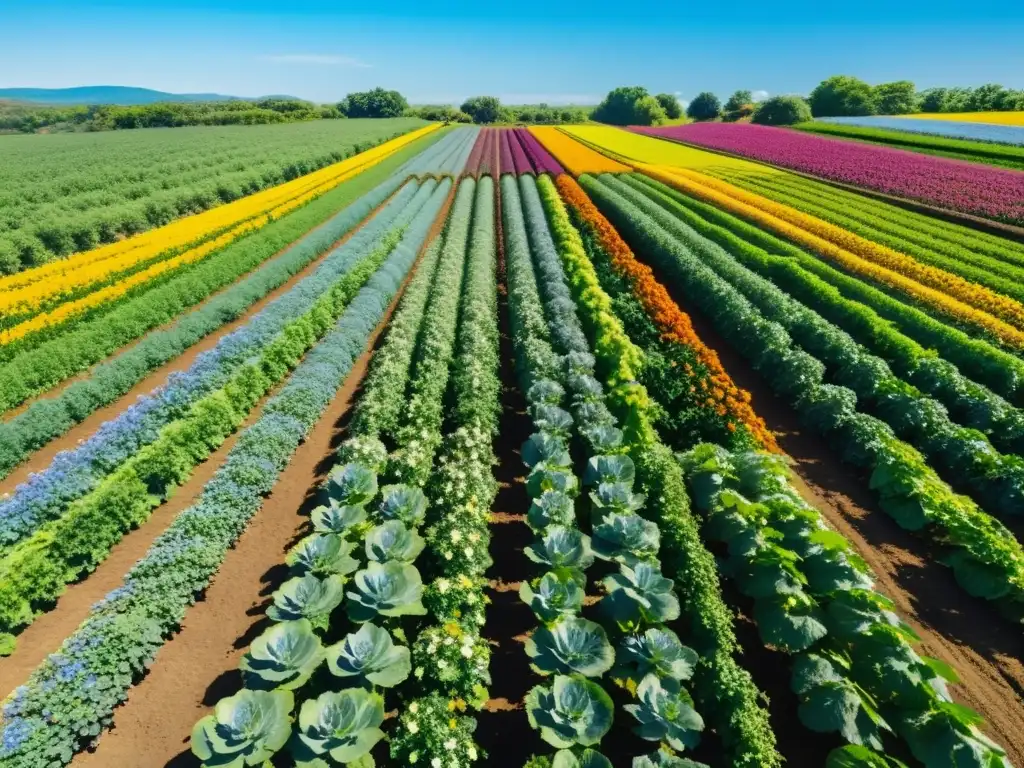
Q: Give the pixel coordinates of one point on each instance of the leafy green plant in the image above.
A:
(322, 554)
(626, 538)
(333, 518)
(659, 652)
(385, 589)
(551, 508)
(554, 596)
(284, 656)
(831, 702)
(404, 503)
(344, 725)
(369, 654)
(665, 713)
(307, 597)
(571, 645)
(585, 758)
(573, 710)
(352, 484)
(560, 548)
(246, 729)
(393, 541)
(543, 448)
(641, 595)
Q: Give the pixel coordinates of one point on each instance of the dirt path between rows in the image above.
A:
(985, 649)
(40, 460)
(199, 665)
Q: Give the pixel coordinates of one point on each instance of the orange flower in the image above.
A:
(674, 324)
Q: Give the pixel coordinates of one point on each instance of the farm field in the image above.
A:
(535, 447)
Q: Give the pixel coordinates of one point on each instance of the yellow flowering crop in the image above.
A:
(994, 118)
(576, 157)
(27, 290)
(766, 215)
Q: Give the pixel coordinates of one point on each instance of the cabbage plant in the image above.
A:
(609, 469)
(603, 438)
(545, 450)
(587, 758)
(571, 711)
(551, 508)
(662, 759)
(352, 484)
(343, 725)
(616, 497)
(307, 597)
(545, 391)
(561, 547)
(322, 554)
(658, 652)
(284, 656)
(665, 713)
(246, 729)
(571, 645)
(555, 596)
(542, 478)
(386, 589)
(640, 594)
(332, 518)
(370, 655)
(404, 503)
(393, 541)
(626, 538)
(551, 420)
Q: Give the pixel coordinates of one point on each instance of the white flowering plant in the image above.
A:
(454, 662)
(434, 732)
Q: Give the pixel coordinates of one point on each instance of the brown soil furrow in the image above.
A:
(985, 649)
(199, 665)
(41, 459)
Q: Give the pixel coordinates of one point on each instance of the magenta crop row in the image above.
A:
(510, 150)
(992, 193)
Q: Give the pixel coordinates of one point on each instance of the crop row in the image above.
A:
(724, 691)
(483, 160)
(994, 193)
(917, 133)
(854, 669)
(65, 520)
(986, 558)
(448, 157)
(960, 300)
(71, 696)
(54, 357)
(966, 457)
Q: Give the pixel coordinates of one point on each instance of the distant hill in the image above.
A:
(106, 94)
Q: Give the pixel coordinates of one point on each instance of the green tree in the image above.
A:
(648, 111)
(933, 99)
(669, 103)
(782, 110)
(842, 95)
(738, 100)
(619, 106)
(899, 98)
(483, 109)
(987, 98)
(705, 106)
(375, 103)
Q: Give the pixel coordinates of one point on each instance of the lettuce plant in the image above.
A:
(344, 725)
(666, 714)
(393, 541)
(284, 656)
(388, 589)
(246, 729)
(322, 554)
(307, 597)
(571, 645)
(370, 655)
(555, 596)
(573, 710)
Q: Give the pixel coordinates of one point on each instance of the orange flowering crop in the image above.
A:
(574, 155)
(721, 392)
(952, 299)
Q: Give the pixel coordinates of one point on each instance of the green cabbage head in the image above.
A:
(344, 725)
(370, 655)
(284, 656)
(246, 729)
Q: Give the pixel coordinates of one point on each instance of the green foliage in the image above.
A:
(572, 711)
(782, 110)
(840, 96)
(899, 98)
(385, 589)
(344, 725)
(246, 729)
(648, 111)
(483, 109)
(283, 657)
(370, 655)
(627, 105)
(571, 645)
(374, 103)
(738, 100)
(665, 713)
(669, 103)
(704, 106)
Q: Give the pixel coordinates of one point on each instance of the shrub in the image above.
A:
(669, 103)
(705, 106)
(782, 110)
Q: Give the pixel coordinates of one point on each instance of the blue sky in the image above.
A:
(522, 51)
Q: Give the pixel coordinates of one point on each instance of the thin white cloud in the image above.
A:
(320, 59)
(759, 95)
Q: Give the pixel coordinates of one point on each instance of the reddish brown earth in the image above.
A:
(985, 649)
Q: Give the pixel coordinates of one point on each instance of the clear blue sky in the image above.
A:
(522, 50)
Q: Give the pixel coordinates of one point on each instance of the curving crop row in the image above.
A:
(965, 456)
(71, 696)
(35, 570)
(448, 157)
(576, 157)
(31, 369)
(73, 474)
(986, 559)
(970, 403)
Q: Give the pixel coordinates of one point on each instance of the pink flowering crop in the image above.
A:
(540, 158)
(506, 162)
(993, 193)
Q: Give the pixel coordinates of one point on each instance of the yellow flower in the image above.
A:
(576, 157)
